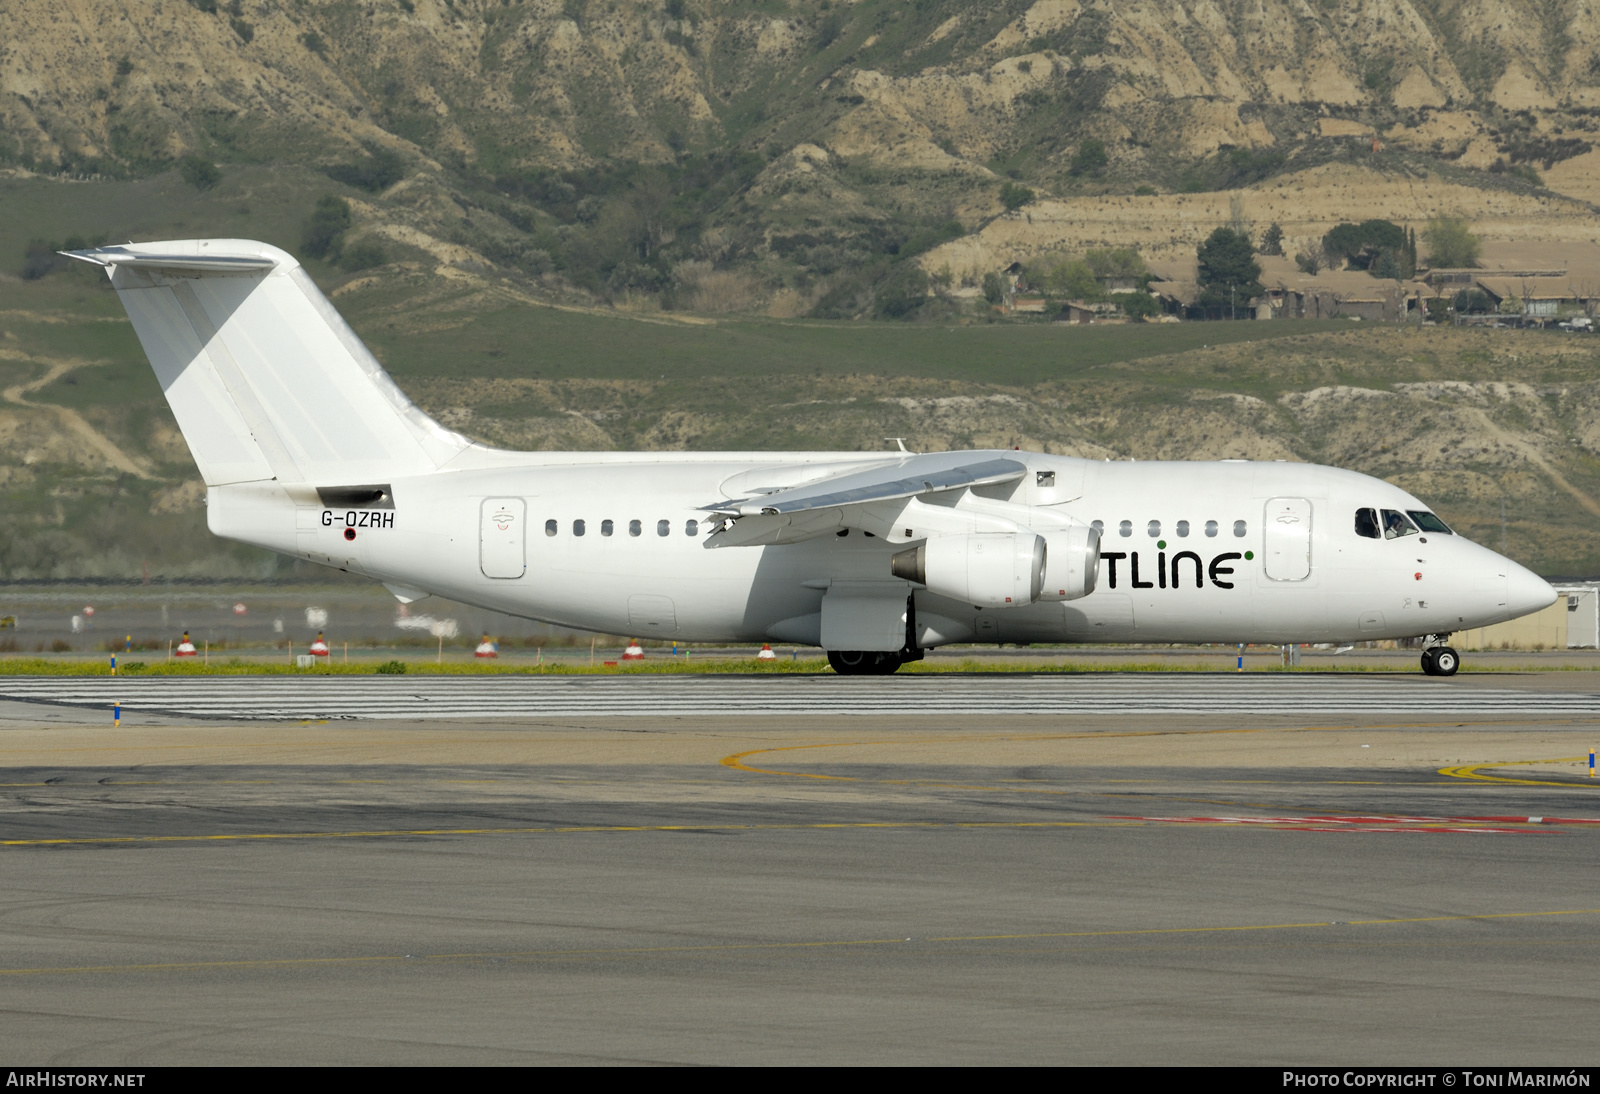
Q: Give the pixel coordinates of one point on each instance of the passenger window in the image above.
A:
(1099, 527)
(1239, 528)
(1154, 528)
(1367, 523)
(663, 527)
(1428, 522)
(1211, 529)
(605, 527)
(634, 528)
(549, 527)
(578, 528)
(691, 528)
(1125, 529)
(1183, 529)
(1395, 525)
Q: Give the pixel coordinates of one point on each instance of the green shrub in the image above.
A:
(392, 668)
(1013, 196)
(326, 228)
(199, 172)
(363, 255)
(1090, 158)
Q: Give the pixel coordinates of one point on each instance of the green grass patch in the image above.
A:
(586, 345)
(741, 666)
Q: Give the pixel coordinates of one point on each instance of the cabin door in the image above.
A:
(1287, 540)
(501, 540)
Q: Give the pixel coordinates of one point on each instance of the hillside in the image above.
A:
(678, 224)
(96, 481)
(793, 156)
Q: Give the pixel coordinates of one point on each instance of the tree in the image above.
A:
(1065, 278)
(1360, 244)
(325, 230)
(994, 288)
(1451, 244)
(1013, 196)
(1090, 158)
(1272, 239)
(1313, 260)
(1229, 272)
(902, 292)
(1137, 306)
(1116, 264)
(199, 172)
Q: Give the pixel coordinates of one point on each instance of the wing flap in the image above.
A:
(916, 476)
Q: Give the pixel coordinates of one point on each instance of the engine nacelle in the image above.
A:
(1072, 562)
(985, 570)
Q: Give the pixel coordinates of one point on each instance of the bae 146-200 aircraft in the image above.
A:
(307, 447)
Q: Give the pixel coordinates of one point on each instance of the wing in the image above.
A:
(817, 508)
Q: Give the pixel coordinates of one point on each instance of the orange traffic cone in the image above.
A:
(486, 648)
(185, 648)
(319, 648)
(766, 653)
(634, 652)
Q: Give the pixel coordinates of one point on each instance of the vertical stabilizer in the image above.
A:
(265, 378)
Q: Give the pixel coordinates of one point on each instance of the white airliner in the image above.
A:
(308, 448)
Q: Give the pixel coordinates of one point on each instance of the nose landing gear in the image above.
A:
(1440, 660)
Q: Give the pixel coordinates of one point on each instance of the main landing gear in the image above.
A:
(1440, 660)
(863, 662)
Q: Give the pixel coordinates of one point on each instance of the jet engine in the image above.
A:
(1072, 562)
(985, 570)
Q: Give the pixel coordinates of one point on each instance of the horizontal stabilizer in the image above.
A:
(208, 263)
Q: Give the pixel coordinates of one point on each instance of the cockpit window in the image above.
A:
(1396, 525)
(1429, 523)
(1367, 523)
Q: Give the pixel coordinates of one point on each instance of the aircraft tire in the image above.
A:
(863, 662)
(1445, 661)
(1428, 667)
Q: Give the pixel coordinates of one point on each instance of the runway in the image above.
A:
(644, 696)
(1147, 883)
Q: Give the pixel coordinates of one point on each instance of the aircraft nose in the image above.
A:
(1526, 591)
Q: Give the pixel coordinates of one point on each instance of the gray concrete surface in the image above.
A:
(1131, 888)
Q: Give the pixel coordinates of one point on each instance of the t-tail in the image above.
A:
(267, 381)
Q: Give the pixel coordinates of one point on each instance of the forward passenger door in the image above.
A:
(1287, 539)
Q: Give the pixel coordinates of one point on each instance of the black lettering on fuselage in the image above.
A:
(1167, 573)
(1113, 557)
(1216, 568)
(359, 518)
(1199, 574)
(1137, 584)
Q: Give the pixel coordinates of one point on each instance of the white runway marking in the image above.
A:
(368, 697)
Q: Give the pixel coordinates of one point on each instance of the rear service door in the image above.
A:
(1288, 539)
(501, 547)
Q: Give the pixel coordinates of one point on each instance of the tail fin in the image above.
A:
(266, 379)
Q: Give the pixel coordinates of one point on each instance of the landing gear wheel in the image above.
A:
(863, 662)
(1440, 661)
